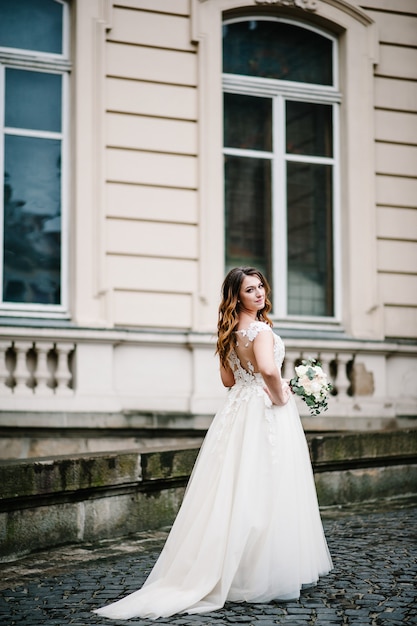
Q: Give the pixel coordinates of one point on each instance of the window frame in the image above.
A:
(280, 91)
(52, 63)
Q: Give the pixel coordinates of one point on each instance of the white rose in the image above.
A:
(315, 386)
(301, 370)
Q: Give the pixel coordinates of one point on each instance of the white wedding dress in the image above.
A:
(249, 528)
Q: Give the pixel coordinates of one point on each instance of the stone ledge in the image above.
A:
(78, 473)
(363, 449)
(73, 499)
(339, 488)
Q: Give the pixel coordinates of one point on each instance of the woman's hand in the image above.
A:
(286, 394)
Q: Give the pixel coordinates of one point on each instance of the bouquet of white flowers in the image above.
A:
(310, 383)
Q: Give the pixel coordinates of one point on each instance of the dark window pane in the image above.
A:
(248, 213)
(274, 49)
(309, 128)
(32, 221)
(31, 25)
(247, 122)
(310, 245)
(33, 100)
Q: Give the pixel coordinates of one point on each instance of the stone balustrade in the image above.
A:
(339, 367)
(68, 377)
(36, 368)
(47, 367)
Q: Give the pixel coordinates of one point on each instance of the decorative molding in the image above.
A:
(350, 9)
(314, 5)
(89, 278)
(100, 27)
(311, 6)
(107, 14)
(306, 5)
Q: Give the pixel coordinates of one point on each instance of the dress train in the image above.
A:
(249, 527)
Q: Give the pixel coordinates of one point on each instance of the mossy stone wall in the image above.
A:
(70, 499)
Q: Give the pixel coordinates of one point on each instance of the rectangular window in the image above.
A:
(309, 239)
(279, 190)
(280, 161)
(309, 183)
(34, 70)
(248, 136)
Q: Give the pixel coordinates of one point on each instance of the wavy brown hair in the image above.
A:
(229, 309)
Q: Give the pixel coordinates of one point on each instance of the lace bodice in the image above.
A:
(245, 373)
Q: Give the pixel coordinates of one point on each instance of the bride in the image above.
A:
(249, 528)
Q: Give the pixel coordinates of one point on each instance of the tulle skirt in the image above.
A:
(249, 527)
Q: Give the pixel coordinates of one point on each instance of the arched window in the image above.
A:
(281, 100)
(34, 74)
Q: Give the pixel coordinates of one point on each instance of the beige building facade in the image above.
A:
(143, 241)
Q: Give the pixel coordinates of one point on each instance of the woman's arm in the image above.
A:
(263, 348)
(227, 376)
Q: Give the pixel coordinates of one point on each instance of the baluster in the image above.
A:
(21, 372)
(342, 380)
(42, 373)
(4, 372)
(325, 360)
(290, 358)
(63, 374)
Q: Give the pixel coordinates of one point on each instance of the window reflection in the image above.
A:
(247, 122)
(40, 111)
(32, 221)
(309, 128)
(31, 25)
(309, 225)
(248, 212)
(273, 49)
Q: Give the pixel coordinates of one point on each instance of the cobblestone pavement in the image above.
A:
(374, 551)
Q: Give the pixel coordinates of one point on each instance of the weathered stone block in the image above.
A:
(61, 474)
(360, 485)
(362, 380)
(129, 513)
(36, 528)
(170, 463)
(343, 447)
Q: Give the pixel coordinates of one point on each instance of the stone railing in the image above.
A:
(47, 367)
(339, 367)
(111, 378)
(36, 368)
